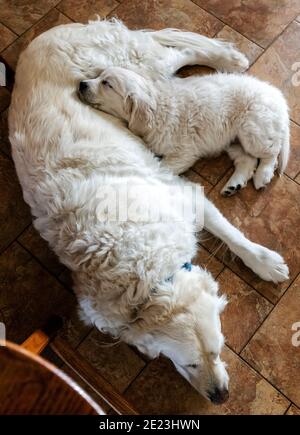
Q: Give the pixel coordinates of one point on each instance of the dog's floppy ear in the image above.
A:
(155, 311)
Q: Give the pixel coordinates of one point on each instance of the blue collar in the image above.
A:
(186, 266)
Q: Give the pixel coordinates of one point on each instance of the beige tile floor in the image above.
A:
(263, 364)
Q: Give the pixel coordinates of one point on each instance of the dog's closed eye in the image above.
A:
(193, 366)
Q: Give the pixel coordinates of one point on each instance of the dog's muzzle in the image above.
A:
(217, 397)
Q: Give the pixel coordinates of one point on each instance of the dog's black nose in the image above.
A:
(83, 86)
(218, 396)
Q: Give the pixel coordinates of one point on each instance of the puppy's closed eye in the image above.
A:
(107, 84)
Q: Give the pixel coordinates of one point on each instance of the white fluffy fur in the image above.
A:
(65, 152)
(187, 119)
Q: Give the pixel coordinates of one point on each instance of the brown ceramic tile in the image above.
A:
(298, 178)
(54, 18)
(32, 241)
(117, 363)
(183, 14)
(19, 15)
(83, 10)
(69, 372)
(4, 98)
(29, 294)
(196, 178)
(161, 390)
(294, 162)
(4, 141)
(271, 218)
(293, 410)
(213, 169)
(14, 213)
(276, 66)
(207, 261)
(272, 351)
(298, 18)
(251, 50)
(261, 21)
(245, 312)
(74, 331)
(6, 37)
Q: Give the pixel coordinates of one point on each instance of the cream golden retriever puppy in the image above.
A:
(184, 120)
(133, 277)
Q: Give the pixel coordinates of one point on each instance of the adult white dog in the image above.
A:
(129, 276)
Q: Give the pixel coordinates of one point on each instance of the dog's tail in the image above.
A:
(283, 157)
(218, 54)
(178, 39)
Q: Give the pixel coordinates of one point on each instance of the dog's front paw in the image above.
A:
(268, 265)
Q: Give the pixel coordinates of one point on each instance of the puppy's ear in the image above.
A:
(141, 107)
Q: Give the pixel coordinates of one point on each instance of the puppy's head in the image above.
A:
(119, 92)
(182, 322)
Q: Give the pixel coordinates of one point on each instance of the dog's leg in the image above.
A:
(265, 172)
(267, 264)
(194, 49)
(245, 166)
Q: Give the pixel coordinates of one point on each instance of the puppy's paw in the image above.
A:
(236, 182)
(229, 190)
(262, 177)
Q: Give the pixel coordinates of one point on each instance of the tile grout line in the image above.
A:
(267, 380)
(138, 374)
(239, 276)
(225, 24)
(264, 48)
(14, 240)
(272, 309)
(84, 337)
(261, 376)
(135, 377)
(288, 409)
(42, 265)
(30, 28)
(74, 21)
(9, 28)
(219, 179)
(63, 13)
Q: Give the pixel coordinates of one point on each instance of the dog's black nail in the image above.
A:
(238, 187)
(231, 187)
